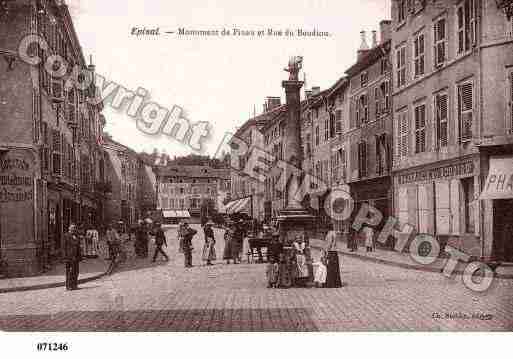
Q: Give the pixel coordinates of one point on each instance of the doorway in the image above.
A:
(503, 229)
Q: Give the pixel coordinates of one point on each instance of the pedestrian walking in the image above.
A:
(237, 241)
(160, 240)
(272, 273)
(141, 240)
(333, 267)
(72, 257)
(180, 233)
(228, 238)
(92, 242)
(209, 250)
(189, 233)
(114, 244)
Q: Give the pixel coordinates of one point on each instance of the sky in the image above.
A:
(221, 80)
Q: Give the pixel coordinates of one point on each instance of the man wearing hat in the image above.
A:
(188, 234)
(209, 251)
(160, 240)
(72, 256)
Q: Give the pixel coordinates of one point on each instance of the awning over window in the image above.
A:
(499, 183)
(175, 214)
(169, 214)
(239, 205)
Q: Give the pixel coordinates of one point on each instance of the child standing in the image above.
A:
(322, 271)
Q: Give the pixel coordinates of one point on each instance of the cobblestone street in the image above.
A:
(224, 297)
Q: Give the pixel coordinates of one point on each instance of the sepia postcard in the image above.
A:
(255, 166)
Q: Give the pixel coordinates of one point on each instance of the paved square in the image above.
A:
(168, 297)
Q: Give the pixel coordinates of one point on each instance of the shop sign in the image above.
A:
(16, 179)
(455, 170)
(499, 183)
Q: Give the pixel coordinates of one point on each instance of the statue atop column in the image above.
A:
(295, 65)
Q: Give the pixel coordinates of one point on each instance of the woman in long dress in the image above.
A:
(321, 271)
(301, 271)
(209, 251)
(333, 267)
(228, 238)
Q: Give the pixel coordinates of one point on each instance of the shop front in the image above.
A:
(497, 195)
(20, 240)
(441, 199)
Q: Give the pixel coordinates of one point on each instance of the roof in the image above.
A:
(260, 120)
(370, 58)
(110, 143)
(193, 171)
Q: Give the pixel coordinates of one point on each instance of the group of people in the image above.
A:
(292, 266)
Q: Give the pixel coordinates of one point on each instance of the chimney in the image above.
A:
(308, 93)
(364, 47)
(273, 102)
(316, 90)
(265, 107)
(385, 29)
(374, 39)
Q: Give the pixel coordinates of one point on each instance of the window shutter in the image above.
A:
(338, 120)
(511, 100)
(466, 105)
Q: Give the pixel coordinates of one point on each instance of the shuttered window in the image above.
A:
(362, 159)
(317, 139)
(338, 121)
(466, 26)
(440, 42)
(385, 90)
(56, 153)
(401, 66)
(418, 55)
(465, 110)
(377, 101)
(402, 134)
(420, 129)
(441, 120)
(511, 102)
(342, 163)
(363, 111)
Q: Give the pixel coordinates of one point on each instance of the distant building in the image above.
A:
(188, 187)
(132, 184)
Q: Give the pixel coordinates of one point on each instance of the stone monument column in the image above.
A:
(292, 143)
(294, 221)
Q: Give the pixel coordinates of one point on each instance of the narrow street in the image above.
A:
(168, 297)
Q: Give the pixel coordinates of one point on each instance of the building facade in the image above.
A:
(368, 139)
(189, 187)
(131, 184)
(50, 139)
(452, 71)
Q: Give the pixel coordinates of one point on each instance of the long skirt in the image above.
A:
(236, 247)
(209, 251)
(320, 274)
(284, 276)
(333, 271)
(227, 252)
(302, 268)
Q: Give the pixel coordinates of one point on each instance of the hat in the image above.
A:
(209, 223)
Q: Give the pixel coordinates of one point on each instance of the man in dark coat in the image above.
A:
(188, 234)
(160, 240)
(72, 257)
